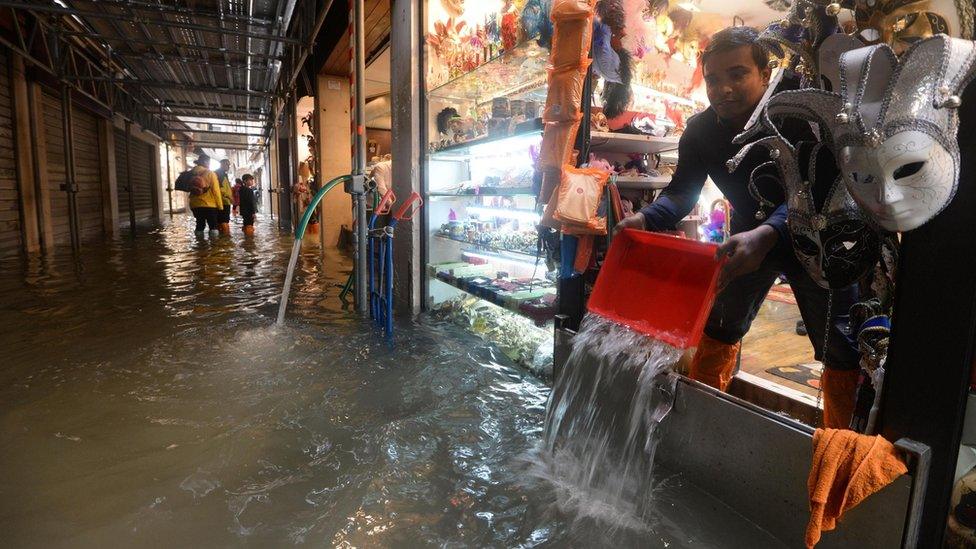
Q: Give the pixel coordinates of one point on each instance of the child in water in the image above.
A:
(248, 204)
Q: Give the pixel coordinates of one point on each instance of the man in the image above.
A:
(248, 203)
(735, 68)
(207, 205)
(226, 195)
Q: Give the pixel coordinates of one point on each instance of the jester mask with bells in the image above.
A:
(800, 33)
(900, 23)
(892, 126)
(831, 238)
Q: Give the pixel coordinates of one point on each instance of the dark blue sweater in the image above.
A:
(703, 151)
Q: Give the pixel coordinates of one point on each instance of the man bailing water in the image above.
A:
(736, 72)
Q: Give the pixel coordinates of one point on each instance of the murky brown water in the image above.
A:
(147, 400)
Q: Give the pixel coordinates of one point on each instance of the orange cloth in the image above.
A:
(714, 363)
(847, 468)
(584, 253)
(839, 392)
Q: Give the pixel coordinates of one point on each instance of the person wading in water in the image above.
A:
(207, 205)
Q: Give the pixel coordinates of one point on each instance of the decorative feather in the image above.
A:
(633, 30)
(606, 62)
(545, 25)
(617, 96)
(611, 12)
(509, 31)
(532, 17)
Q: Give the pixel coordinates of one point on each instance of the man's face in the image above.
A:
(224, 165)
(734, 83)
(249, 183)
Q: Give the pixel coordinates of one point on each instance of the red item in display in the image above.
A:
(658, 285)
(509, 31)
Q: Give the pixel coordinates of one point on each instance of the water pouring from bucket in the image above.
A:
(650, 302)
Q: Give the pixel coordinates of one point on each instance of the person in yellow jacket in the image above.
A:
(207, 205)
(226, 195)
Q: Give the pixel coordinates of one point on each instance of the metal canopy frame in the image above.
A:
(154, 61)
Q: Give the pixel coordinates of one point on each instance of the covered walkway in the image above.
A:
(105, 102)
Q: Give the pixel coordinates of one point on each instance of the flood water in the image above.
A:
(148, 400)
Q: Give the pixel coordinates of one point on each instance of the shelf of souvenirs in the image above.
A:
(523, 255)
(533, 298)
(519, 70)
(507, 232)
(530, 130)
(629, 143)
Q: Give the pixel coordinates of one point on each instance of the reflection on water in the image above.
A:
(147, 399)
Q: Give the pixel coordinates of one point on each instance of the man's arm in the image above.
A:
(777, 220)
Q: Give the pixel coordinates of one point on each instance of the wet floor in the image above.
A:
(147, 400)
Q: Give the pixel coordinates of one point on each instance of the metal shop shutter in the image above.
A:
(88, 174)
(142, 179)
(10, 238)
(54, 142)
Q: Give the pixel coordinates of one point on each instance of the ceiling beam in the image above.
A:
(41, 8)
(179, 86)
(130, 41)
(214, 132)
(197, 13)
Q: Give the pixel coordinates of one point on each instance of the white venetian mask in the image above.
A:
(892, 126)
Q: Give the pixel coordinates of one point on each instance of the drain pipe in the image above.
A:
(128, 179)
(169, 182)
(357, 39)
(69, 186)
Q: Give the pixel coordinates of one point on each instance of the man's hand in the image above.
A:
(746, 251)
(635, 221)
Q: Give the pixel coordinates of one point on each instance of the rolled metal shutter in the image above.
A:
(142, 176)
(88, 174)
(54, 142)
(142, 180)
(10, 237)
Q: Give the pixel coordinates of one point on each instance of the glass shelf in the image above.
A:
(510, 305)
(501, 252)
(643, 183)
(485, 191)
(492, 142)
(519, 70)
(631, 143)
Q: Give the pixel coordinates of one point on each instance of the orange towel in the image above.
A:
(847, 468)
(839, 392)
(714, 363)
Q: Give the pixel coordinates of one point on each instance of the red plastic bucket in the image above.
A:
(659, 285)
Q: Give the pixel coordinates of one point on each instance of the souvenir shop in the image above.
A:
(529, 102)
